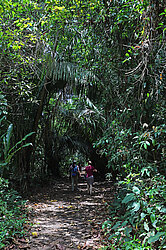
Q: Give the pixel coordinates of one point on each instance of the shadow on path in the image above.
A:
(68, 220)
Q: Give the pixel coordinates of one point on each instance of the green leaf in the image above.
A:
(153, 142)
(136, 190)
(128, 198)
(154, 223)
(163, 210)
(7, 139)
(149, 210)
(152, 217)
(124, 223)
(127, 231)
(27, 145)
(3, 164)
(116, 225)
(136, 206)
(113, 235)
(25, 137)
(145, 170)
(155, 237)
(146, 227)
(143, 215)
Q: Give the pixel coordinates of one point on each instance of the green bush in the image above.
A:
(138, 214)
(129, 151)
(13, 215)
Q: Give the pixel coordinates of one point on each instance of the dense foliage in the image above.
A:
(13, 216)
(137, 215)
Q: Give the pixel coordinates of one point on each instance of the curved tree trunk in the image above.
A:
(26, 154)
(51, 158)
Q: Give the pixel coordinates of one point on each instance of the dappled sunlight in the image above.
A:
(68, 220)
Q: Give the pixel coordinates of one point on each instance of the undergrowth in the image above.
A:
(137, 214)
(13, 215)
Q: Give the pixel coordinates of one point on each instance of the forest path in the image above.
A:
(68, 220)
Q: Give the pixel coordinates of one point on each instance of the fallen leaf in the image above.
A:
(34, 234)
(23, 240)
(60, 247)
(15, 242)
(24, 246)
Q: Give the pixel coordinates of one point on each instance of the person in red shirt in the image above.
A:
(89, 176)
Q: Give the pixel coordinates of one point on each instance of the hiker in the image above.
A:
(80, 166)
(70, 172)
(74, 172)
(89, 176)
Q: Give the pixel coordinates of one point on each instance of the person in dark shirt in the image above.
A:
(89, 176)
(74, 172)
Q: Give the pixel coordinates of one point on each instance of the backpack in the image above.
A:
(74, 171)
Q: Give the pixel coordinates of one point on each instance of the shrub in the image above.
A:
(13, 215)
(138, 214)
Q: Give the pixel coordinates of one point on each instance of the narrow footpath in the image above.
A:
(69, 220)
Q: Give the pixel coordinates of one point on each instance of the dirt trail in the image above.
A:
(66, 220)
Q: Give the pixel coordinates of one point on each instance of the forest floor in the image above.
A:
(64, 220)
